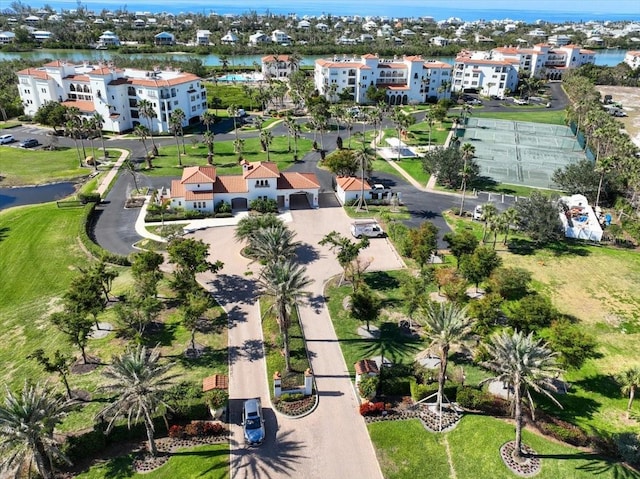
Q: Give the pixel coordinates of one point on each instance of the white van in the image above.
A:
(369, 228)
(6, 139)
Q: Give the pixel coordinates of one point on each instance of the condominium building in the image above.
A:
(410, 79)
(490, 77)
(278, 66)
(114, 93)
(632, 58)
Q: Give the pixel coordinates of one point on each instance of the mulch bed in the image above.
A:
(528, 466)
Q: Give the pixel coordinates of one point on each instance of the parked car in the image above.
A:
(520, 101)
(29, 143)
(377, 187)
(369, 228)
(252, 422)
(6, 139)
(474, 101)
(477, 213)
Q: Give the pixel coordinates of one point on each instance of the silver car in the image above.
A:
(252, 422)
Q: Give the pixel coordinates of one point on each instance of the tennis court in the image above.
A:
(521, 153)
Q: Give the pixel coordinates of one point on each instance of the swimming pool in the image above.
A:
(241, 77)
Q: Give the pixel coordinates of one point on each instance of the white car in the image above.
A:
(477, 213)
(520, 101)
(6, 139)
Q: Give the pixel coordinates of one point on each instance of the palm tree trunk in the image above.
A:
(104, 148)
(632, 393)
(518, 417)
(178, 146)
(151, 134)
(285, 348)
(152, 443)
(193, 340)
(464, 191)
(75, 140)
(442, 377)
(184, 148)
(39, 456)
(599, 188)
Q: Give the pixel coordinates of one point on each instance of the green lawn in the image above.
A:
(229, 95)
(211, 461)
(405, 447)
(414, 168)
(226, 161)
(39, 256)
(32, 167)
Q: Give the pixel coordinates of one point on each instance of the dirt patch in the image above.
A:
(629, 97)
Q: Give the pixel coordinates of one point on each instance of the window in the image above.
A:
(194, 204)
(43, 90)
(175, 102)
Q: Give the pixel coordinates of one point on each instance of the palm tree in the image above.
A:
(274, 242)
(289, 123)
(489, 212)
(603, 166)
(193, 308)
(232, 111)
(142, 132)
(175, 121)
(180, 117)
(99, 122)
(446, 324)
(130, 166)
(238, 147)
(71, 130)
(629, 381)
(510, 217)
(89, 127)
(284, 282)
(208, 118)
(27, 422)
(209, 140)
(430, 121)
(138, 381)
(248, 225)
(524, 364)
(468, 150)
(266, 138)
(147, 110)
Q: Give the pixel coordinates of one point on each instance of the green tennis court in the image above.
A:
(521, 153)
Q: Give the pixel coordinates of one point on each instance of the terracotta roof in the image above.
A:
(217, 381)
(369, 56)
(472, 61)
(100, 71)
(332, 64)
(184, 78)
(275, 58)
(199, 195)
(395, 66)
(260, 169)
(84, 106)
(366, 366)
(436, 64)
(57, 63)
(198, 174)
(589, 52)
(35, 73)
(398, 87)
(350, 183)
(298, 181)
(77, 78)
(177, 189)
(633, 53)
(120, 81)
(413, 58)
(230, 184)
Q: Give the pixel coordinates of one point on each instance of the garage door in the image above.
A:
(239, 204)
(299, 201)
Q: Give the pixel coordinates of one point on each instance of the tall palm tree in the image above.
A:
(138, 381)
(99, 123)
(524, 364)
(289, 123)
(209, 140)
(274, 242)
(603, 166)
(248, 225)
(175, 122)
(468, 150)
(27, 421)
(266, 138)
(72, 131)
(232, 111)
(489, 212)
(142, 132)
(629, 381)
(238, 147)
(446, 324)
(510, 217)
(89, 126)
(147, 111)
(208, 118)
(180, 117)
(284, 282)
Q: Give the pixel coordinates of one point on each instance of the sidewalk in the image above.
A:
(109, 177)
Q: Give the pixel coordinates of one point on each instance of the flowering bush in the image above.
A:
(195, 428)
(295, 408)
(213, 429)
(176, 431)
(371, 408)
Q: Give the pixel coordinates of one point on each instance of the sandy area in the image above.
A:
(629, 97)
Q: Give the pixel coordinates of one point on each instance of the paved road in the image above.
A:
(332, 442)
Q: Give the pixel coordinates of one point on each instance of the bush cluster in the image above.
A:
(372, 408)
(196, 429)
(264, 206)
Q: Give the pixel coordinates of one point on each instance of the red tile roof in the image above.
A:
(298, 181)
(217, 381)
(184, 78)
(198, 175)
(260, 169)
(366, 366)
(230, 184)
(275, 58)
(57, 63)
(369, 56)
(350, 183)
(199, 195)
(177, 189)
(100, 71)
(84, 106)
(35, 73)
(83, 78)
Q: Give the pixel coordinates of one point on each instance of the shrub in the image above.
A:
(291, 397)
(176, 431)
(213, 429)
(216, 398)
(371, 409)
(421, 391)
(223, 207)
(510, 283)
(394, 380)
(89, 197)
(562, 430)
(83, 445)
(472, 398)
(264, 206)
(224, 215)
(194, 429)
(368, 386)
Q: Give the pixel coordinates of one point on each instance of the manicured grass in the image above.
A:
(415, 170)
(392, 343)
(211, 461)
(39, 257)
(225, 159)
(405, 447)
(378, 212)
(273, 347)
(546, 116)
(9, 124)
(229, 95)
(21, 166)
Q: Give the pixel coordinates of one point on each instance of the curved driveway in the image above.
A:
(332, 442)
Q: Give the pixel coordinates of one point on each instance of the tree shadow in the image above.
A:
(381, 281)
(234, 288)
(4, 232)
(604, 384)
(252, 349)
(207, 357)
(486, 183)
(161, 333)
(391, 343)
(612, 469)
(307, 254)
(522, 247)
(567, 247)
(317, 302)
(572, 406)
